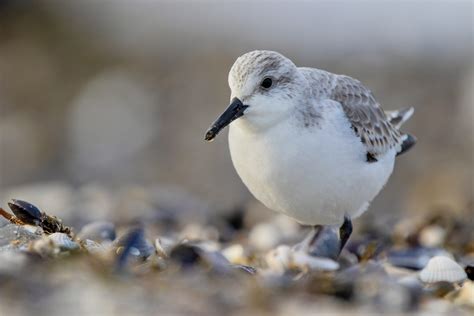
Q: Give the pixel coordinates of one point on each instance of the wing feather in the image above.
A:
(368, 119)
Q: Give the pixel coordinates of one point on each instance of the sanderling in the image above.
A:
(308, 143)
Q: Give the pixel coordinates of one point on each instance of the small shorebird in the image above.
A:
(308, 143)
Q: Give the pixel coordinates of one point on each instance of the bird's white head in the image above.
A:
(265, 87)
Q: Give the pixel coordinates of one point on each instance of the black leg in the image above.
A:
(345, 232)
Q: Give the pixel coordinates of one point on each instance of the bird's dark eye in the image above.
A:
(266, 83)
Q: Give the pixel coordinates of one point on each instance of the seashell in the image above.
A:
(63, 241)
(216, 261)
(98, 231)
(414, 258)
(188, 255)
(442, 268)
(284, 258)
(245, 268)
(279, 259)
(44, 247)
(304, 261)
(132, 243)
(235, 254)
(185, 254)
(136, 241)
(94, 247)
(163, 246)
(26, 212)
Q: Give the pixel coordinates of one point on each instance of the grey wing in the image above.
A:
(368, 119)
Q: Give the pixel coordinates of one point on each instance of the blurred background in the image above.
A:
(104, 104)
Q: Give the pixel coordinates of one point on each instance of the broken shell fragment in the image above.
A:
(284, 257)
(94, 247)
(63, 241)
(235, 254)
(304, 261)
(44, 247)
(279, 259)
(163, 246)
(189, 255)
(442, 268)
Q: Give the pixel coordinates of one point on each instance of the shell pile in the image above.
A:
(228, 264)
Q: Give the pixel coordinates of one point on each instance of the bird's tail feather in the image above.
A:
(398, 117)
(408, 141)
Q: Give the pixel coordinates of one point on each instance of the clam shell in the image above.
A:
(133, 243)
(442, 268)
(98, 231)
(63, 241)
(25, 211)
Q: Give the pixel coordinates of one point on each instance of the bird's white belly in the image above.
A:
(314, 175)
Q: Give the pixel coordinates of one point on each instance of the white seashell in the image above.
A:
(279, 259)
(303, 260)
(63, 241)
(442, 268)
(284, 257)
(235, 254)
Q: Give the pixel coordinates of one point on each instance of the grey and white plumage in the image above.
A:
(314, 145)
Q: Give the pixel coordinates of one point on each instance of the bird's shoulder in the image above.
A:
(367, 118)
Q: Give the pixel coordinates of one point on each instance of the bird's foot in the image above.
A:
(322, 241)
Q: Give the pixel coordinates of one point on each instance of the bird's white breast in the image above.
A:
(314, 174)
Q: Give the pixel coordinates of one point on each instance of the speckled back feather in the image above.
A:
(368, 119)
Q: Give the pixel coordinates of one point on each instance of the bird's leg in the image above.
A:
(309, 239)
(345, 232)
(314, 234)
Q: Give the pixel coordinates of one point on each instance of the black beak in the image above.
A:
(234, 111)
